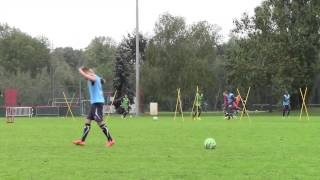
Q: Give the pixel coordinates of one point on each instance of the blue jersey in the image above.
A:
(95, 91)
(230, 98)
(286, 100)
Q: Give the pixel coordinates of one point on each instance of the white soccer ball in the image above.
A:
(155, 117)
(210, 143)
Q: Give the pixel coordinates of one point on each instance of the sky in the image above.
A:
(74, 23)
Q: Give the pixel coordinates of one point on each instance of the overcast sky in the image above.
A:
(74, 23)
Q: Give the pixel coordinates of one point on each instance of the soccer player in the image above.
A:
(198, 104)
(286, 104)
(237, 104)
(125, 106)
(230, 109)
(96, 111)
(225, 104)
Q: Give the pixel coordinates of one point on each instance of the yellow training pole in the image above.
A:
(301, 103)
(303, 96)
(179, 94)
(305, 106)
(114, 96)
(194, 103)
(175, 112)
(69, 108)
(197, 101)
(244, 103)
(247, 101)
(179, 103)
(71, 101)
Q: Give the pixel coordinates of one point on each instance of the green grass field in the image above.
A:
(265, 147)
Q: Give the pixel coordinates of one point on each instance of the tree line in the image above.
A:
(274, 50)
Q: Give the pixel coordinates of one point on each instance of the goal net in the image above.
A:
(47, 111)
(85, 108)
(19, 111)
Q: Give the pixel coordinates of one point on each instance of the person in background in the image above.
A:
(231, 101)
(198, 105)
(125, 106)
(225, 104)
(286, 104)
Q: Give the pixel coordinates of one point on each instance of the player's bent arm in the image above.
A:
(86, 75)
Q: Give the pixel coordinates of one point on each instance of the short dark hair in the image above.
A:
(85, 69)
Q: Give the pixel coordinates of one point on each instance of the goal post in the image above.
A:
(12, 112)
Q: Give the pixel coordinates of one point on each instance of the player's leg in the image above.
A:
(125, 113)
(105, 130)
(236, 108)
(199, 112)
(194, 113)
(86, 128)
(122, 113)
(284, 111)
(225, 108)
(228, 112)
(102, 125)
(231, 111)
(288, 110)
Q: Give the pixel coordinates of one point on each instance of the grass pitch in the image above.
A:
(267, 147)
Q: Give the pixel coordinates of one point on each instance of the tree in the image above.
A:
(127, 48)
(121, 81)
(180, 56)
(277, 49)
(21, 52)
(100, 54)
(63, 71)
(126, 58)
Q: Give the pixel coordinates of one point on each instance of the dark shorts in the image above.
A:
(96, 112)
(286, 107)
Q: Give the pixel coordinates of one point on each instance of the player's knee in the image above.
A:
(88, 121)
(101, 124)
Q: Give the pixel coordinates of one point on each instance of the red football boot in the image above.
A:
(79, 142)
(110, 143)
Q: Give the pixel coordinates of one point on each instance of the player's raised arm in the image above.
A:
(87, 73)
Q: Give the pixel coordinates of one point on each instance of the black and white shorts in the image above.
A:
(286, 107)
(96, 112)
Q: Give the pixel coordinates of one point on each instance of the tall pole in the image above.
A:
(53, 69)
(137, 60)
(80, 63)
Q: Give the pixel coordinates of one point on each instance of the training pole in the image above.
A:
(194, 103)
(69, 108)
(137, 61)
(114, 96)
(175, 112)
(197, 101)
(178, 104)
(304, 106)
(71, 101)
(244, 103)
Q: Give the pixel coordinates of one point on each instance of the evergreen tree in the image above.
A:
(121, 81)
